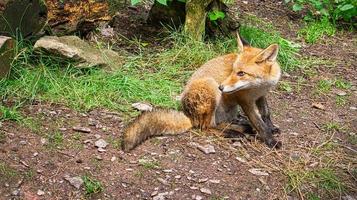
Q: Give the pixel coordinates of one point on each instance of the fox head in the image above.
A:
(252, 68)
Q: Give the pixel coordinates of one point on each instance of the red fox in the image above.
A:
(212, 95)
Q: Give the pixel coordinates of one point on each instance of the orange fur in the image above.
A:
(204, 105)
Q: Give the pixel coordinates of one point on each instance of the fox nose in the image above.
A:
(221, 87)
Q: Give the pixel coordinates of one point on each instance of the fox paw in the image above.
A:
(275, 130)
(274, 144)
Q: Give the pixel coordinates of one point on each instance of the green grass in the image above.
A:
(10, 113)
(317, 30)
(318, 183)
(155, 76)
(6, 171)
(324, 86)
(260, 33)
(91, 185)
(149, 164)
(332, 126)
(55, 139)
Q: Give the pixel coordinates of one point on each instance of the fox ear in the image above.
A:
(239, 44)
(269, 54)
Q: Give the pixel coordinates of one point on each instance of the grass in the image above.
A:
(155, 77)
(6, 171)
(317, 30)
(55, 139)
(149, 164)
(260, 33)
(91, 185)
(318, 183)
(10, 113)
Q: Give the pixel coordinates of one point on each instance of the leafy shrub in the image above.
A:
(332, 9)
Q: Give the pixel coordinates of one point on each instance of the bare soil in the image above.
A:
(32, 161)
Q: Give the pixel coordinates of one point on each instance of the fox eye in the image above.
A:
(240, 73)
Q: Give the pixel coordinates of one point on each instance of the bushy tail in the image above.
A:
(155, 123)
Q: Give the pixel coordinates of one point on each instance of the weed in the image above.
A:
(139, 174)
(285, 86)
(322, 182)
(149, 164)
(324, 86)
(10, 113)
(341, 100)
(332, 126)
(6, 171)
(91, 185)
(342, 84)
(55, 139)
(314, 31)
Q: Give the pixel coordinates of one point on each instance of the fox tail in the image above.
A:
(154, 123)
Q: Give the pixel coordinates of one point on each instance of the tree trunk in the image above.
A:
(6, 55)
(196, 18)
(25, 17)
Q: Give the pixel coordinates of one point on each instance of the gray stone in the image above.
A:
(74, 181)
(82, 129)
(142, 107)
(40, 192)
(207, 149)
(205, 191)
(101, 143)
(80, 52)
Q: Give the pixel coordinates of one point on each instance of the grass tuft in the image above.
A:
(316, 30)
(91, 185)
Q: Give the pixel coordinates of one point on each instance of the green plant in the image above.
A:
(332, 9)
(315, 30)
(91, 185)
(10, 113)
(215, 15)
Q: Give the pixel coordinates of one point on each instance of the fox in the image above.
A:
(213, 95)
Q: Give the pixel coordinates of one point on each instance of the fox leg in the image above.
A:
(264, 110)
(264, 131)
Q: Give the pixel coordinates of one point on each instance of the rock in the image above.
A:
(294, 133)
(348, 197)
(240, 159)
(113, 159)
(78, 51)
(16, 192)
(6, 55)
(142, 107)
(163, 181)
(160, 196)
(23, 142)
(214, 181)
(353, 108)
(107, 32)
(207, 149)
(318, 106)
(40, 193)
(43, 141)
(341, 93)
(82, 129)
(258, 172)
(100, 143)
(177, 177)
(28, 17)
(74, 181)
(196, 197)
(202, 180)
(206, 191)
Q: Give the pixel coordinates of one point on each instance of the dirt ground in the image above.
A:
(173, 167)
